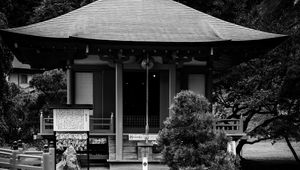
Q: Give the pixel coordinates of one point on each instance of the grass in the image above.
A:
(265, 156)
(267, 151)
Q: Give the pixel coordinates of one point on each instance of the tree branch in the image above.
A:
(248, 118)
(266, 122)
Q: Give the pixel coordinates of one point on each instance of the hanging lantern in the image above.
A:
(147, 62)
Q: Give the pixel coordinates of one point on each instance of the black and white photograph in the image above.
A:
(150, 84)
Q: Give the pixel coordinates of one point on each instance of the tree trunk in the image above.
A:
(291, 148)
(239, 147)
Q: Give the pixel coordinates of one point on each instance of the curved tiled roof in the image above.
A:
(141, 21)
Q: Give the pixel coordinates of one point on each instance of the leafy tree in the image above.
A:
(25, 109)
(52, 8)
(21, 108)
(264, 91)
(254, 89)
(10, 120)
(188, 139)
(18, 12)
(5, 64)
(229, 10)
(52, 88)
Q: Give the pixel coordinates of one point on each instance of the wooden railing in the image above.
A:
(136, 121)
(46, 124)
(229, 126)
(97, 125)
(106, 125)
(100, 125)
(18, 159)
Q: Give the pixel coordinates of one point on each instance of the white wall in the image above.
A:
(83, 88)
(16, 78)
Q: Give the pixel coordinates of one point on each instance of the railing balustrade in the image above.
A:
(106, 125)
(17, 159)
(230, 126)
(102, 124)
(139, 121)
(98, 125)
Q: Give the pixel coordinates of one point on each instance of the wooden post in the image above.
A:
(46, 158)
(42, 123)
(172, 84)
(209, 76)
(119, 111)
(51, 156)
(69, 83)
(231, 146)
(241, 122)
(13, 159)
(112, 122)
(20, 146)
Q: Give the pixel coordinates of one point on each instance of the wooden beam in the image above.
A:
(119, 111)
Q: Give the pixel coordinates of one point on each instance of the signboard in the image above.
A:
(141, 137)
(77, 140)
(101, 141)
(71, 150)
(69, 120)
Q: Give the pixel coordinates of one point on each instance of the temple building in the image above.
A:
(125, 61)
(21, 74)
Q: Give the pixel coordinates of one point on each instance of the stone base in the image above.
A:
(136, 166)
(144, 149)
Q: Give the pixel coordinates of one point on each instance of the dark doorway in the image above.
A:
(134, 100)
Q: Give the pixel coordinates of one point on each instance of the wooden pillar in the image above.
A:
(209, 76)
(70, 84)
(172, 83)
(231, 146)
(42, 123)
(119, 111)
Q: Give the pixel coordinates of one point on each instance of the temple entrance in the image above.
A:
(134, 101)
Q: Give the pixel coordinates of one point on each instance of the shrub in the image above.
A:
(188, 140)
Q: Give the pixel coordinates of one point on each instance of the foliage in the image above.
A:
(52, 8)
(21, 108)
(265, 90)
(26, 110)
(3, 20)
(229, 10)
(188, 139)
(14, 113)
(6, 58)
(18, 12)
(52, 88)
